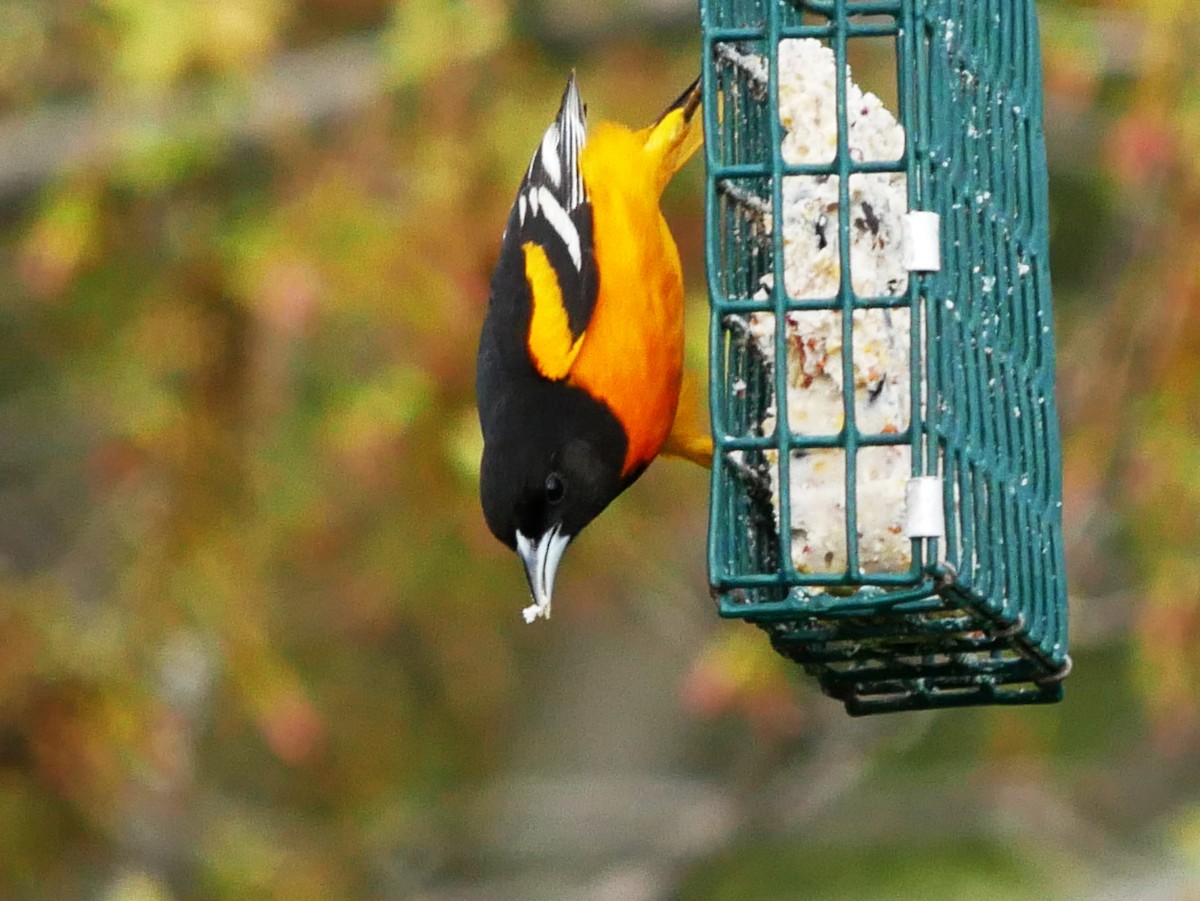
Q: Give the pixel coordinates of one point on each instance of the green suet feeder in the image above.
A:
(886, 486)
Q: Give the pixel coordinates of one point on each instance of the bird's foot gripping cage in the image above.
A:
(881, 324)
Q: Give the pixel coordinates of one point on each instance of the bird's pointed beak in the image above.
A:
(541, 557)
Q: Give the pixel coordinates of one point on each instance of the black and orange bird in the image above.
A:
(580, 364)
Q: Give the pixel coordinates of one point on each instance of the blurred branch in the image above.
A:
(303, 86)
(329, 80)
(595, 836)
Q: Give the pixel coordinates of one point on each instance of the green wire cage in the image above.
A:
(910, 558)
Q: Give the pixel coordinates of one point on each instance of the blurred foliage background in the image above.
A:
(255, 639)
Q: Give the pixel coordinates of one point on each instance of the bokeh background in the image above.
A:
(255, 639)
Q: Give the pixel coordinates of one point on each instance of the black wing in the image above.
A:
(553, 210)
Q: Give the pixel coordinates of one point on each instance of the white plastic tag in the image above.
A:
(922, 241)
(923, 498)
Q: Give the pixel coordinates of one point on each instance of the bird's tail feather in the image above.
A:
(677, 134)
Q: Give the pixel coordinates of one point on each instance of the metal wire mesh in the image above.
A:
(979, 614)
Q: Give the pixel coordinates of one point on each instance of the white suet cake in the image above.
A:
(812, 269)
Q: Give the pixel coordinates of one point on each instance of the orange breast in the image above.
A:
(632, 355)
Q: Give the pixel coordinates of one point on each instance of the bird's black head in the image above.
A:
(552, 460)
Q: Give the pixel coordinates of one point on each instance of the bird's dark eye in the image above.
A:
(555, 488)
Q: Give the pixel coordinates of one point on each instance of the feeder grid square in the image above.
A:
(886, 497)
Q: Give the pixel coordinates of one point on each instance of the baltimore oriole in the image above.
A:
(581, 356)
